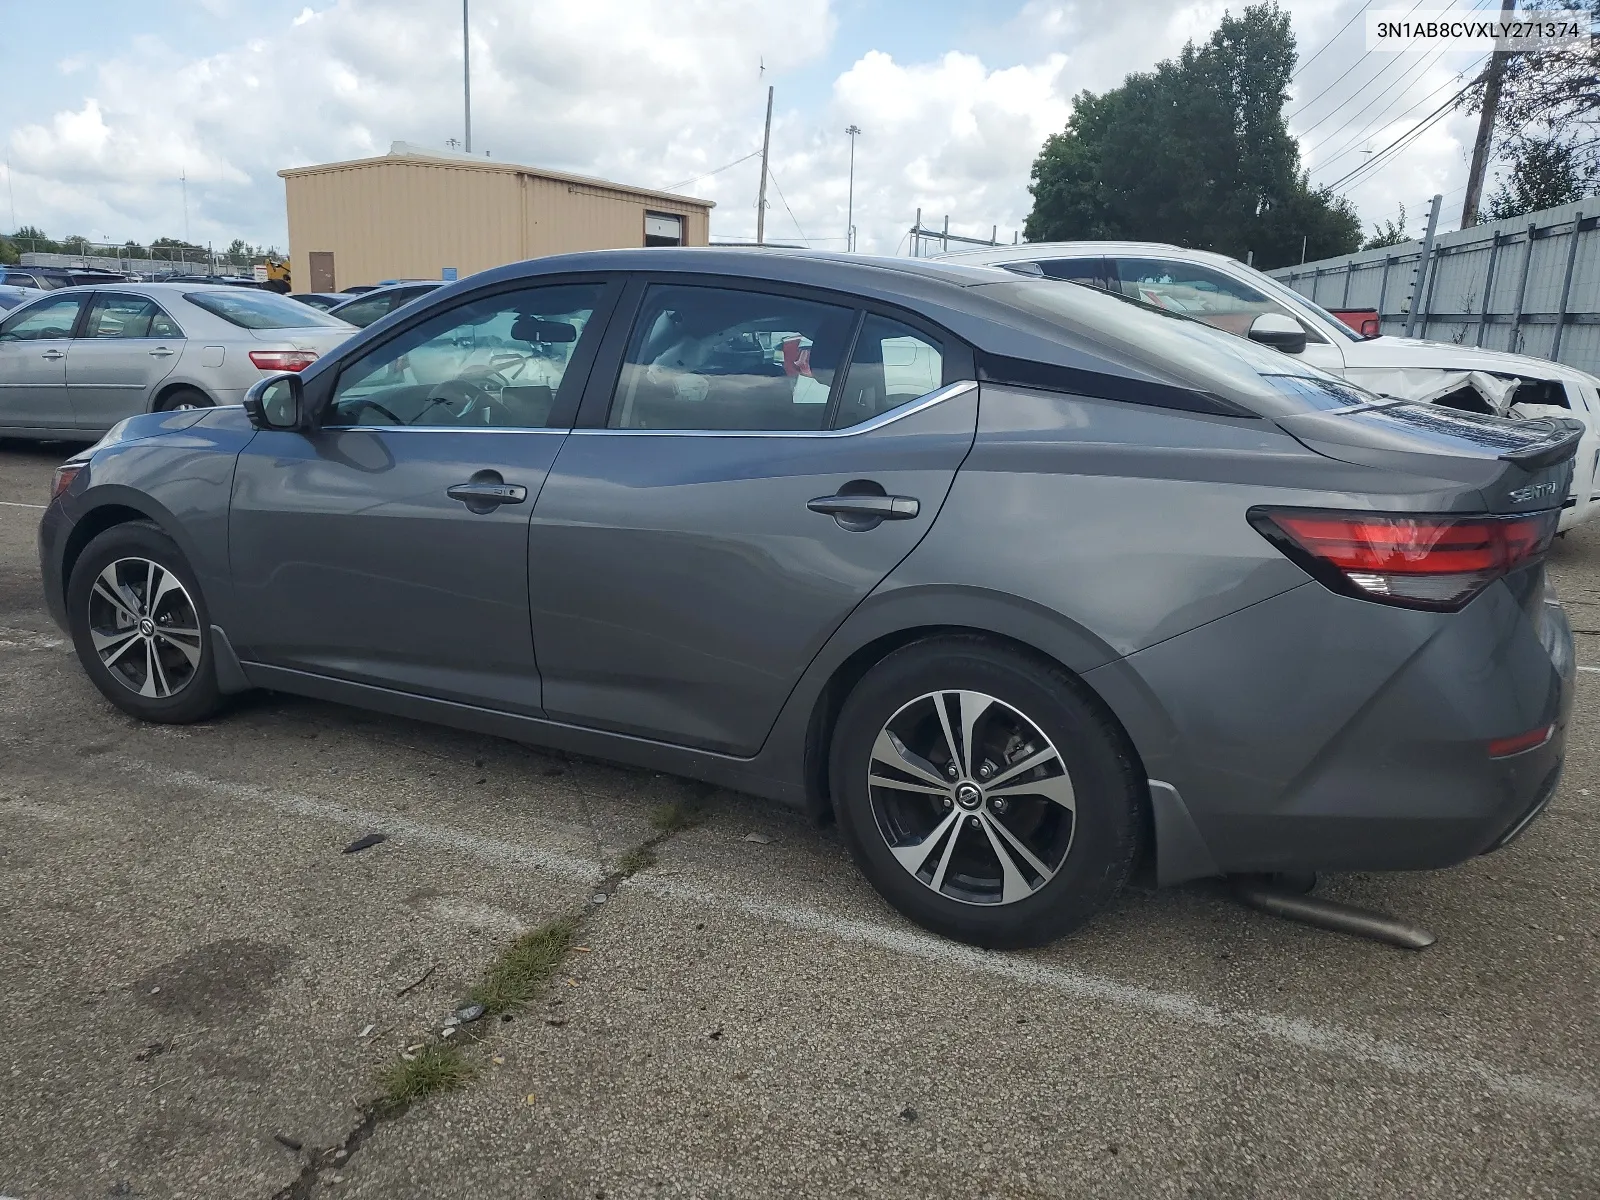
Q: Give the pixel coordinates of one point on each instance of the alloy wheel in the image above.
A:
(145, 627)
(971, 797)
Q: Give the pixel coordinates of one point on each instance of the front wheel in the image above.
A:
(140, 626)
(984, 794)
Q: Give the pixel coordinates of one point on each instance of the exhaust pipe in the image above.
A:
(1260, 892)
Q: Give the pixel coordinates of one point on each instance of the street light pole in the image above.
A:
(850, 203)
(466, 70)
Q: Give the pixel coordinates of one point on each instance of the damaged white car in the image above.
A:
(1229, 295)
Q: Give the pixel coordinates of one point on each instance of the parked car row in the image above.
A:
(1023, 582)
(1227, 294)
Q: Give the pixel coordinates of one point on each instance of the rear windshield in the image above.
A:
(1181, 349)
(259, 310)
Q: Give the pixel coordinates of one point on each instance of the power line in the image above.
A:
(1403, 140)
(1423, 64)
(1388, 121)
(1329, 42)
(708, 174)
(786, 207)
(1360, 58)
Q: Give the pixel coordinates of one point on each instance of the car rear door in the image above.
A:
(125, 348)
(34, 345)
(389, 545)
(732, 492)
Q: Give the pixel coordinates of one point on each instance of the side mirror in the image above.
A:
(277, 402)
(1279, 332)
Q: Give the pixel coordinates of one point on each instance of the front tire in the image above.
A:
(140, 625)
(984, 793)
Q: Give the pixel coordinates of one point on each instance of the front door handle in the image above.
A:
(881, 508)
(485, 495)
(52, 355)
(161, 352)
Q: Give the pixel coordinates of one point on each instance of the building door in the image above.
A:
(322, 271)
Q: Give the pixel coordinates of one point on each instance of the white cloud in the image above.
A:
(647, 93)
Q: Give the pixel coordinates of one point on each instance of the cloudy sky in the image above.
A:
(109, 104)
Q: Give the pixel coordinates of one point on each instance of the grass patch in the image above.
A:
(638, 859)
(436, 1068)
(521, 972)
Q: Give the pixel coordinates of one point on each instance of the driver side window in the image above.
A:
(495, 362)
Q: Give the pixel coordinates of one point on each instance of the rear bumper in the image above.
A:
(1317, 732)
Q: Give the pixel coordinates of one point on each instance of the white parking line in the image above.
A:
(1595, 670)
(19, 504)
(1179, 1007)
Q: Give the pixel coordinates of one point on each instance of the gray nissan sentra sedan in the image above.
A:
(1020, 582)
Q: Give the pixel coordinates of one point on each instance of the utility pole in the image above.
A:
(183, 180)
(761, 196)
(1493, 74)
(466, 70)
(850, 204)
(1421, 280)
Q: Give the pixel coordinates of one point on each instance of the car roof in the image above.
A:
(1034, 251)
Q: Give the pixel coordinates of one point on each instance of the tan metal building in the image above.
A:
(413, 214)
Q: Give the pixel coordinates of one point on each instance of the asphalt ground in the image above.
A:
(191, 969)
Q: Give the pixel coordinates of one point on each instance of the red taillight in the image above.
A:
(283, 360)
(1532, 740)
(64, 476)
(1436, 562)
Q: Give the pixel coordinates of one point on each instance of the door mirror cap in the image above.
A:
(276, 402)
(1279, 332)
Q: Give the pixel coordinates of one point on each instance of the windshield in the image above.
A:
(1179, 347)
(261, 310)
(1284, 291)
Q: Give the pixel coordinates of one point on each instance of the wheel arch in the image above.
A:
(113, 505)
(169, 387)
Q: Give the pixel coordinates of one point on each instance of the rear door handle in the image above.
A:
(483, 494)
(883, 508)
(161, 352)
(52, 355)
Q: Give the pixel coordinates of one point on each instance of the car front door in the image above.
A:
(1215, 297)
(740, 480)
(389, 545)
(34, 346)
(125, 348)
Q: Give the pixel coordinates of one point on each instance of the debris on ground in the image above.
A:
(284, 1140)
(469, 1013)
(150, 1051)
(759, 839)
(366, 1031)
(716, 1034)
(908, 1113)
(364, 841)
(419, 980)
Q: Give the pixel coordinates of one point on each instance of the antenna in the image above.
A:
(850, 202)
(761, 196)
(183, 178)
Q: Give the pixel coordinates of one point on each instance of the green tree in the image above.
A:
(239, 253)
(75, 243)
(9, 255)
(30, 239)
(1388, 234)
(1194, 152)
(1545, 172)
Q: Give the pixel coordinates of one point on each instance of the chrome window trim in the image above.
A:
(440, 429)
(948, 392)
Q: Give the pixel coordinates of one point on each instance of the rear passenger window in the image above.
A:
(892, 365)
(718, 358)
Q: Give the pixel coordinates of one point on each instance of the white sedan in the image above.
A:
(75, 361)
(1231, 296)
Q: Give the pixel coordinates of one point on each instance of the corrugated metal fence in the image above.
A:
(1530, 285)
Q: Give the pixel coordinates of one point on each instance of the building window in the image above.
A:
(663, 229)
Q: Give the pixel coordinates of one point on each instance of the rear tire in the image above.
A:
(927, 820)
(184, 397)
(141, 627)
